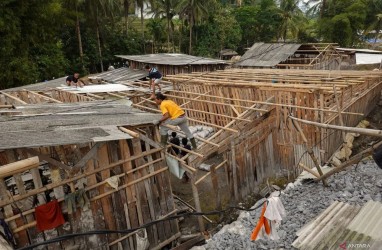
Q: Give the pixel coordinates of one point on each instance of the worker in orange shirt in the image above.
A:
(172, 115)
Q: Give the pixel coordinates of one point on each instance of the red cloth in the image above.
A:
(49, 216)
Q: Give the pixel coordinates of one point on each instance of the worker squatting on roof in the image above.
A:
(172, 115)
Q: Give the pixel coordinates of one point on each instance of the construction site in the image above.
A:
(299, 134)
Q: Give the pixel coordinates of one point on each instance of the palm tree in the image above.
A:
(193, 11)
(317, 6)
(98, 9)
(291, 18)
(376, 27)
(166, 9)
(126, 6)
(141, 6)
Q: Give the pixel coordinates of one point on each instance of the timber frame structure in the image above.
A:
(249, 110)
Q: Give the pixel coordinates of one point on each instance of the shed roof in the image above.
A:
(341, 223)
(120, 74)
(267, 54)
(69, 123)
(172, 59)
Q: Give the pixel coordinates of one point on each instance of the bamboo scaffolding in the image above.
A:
(273, 104)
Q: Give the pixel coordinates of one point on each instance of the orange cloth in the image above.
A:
(49, 216)
(170, 107)
(262, 221)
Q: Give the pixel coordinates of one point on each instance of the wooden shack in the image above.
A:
(291, 56)
(50, 149)
(172, 63)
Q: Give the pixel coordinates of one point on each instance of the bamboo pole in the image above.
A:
(219, 103)
(308, 170)
(272, 104)
(364, 131)
(4, 106)
(42, 96)
(206, 175)
(129, 132)
(13, 97)
(19, 166)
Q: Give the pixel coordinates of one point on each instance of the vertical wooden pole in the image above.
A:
(234, 170)
(215, 185)
(198, 208)
(310, 150)
(344, 144)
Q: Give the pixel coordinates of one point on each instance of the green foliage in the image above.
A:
(259, 22)
(40, 40)
(222, 31)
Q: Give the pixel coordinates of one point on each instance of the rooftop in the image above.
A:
(69, 123)
(172, 59)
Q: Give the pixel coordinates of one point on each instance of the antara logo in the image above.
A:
(343, 246)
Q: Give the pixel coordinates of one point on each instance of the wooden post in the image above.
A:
(341, 121)
(215, 185)
(234, 170)
(310, 150)
(198, 208)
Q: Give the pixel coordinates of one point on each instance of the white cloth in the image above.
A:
(275, 212)
(174, 167)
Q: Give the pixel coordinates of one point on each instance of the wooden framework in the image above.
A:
(144, 192)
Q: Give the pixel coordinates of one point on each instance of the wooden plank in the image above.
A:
(90, 155)
(106, 202)
(96, 209)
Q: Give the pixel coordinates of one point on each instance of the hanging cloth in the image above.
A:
(262, 222)
(49, 216)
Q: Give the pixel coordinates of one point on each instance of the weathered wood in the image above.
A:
(364, 131)
(190, 243)
(19, 166)
(89, 155)
(308, 170)
(129, 132)
(77, 177)
(234, 170)
(47, 159)
(356, 158)
(309, 150)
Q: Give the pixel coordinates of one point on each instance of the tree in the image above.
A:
(166, 9)
(258, 22)
(141, 6)
(292, 18)
(30, 48)
(194, 11)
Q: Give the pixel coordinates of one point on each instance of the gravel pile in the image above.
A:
(302, 203)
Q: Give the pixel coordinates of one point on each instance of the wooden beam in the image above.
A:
(89, 155)
(47, 159)
(356, 158)
(42, 96)
(19, 166)
(364, 131)
(308, 170)
(13, 97)
(3, 106)
(205, 176)
(129, 132)
(190, 243)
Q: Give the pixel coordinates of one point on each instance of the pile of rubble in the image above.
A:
(303, 201)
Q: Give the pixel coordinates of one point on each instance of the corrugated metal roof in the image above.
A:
(120, 74)
(342, 224)
(42, 85)
(172, 59)
(267, 54)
